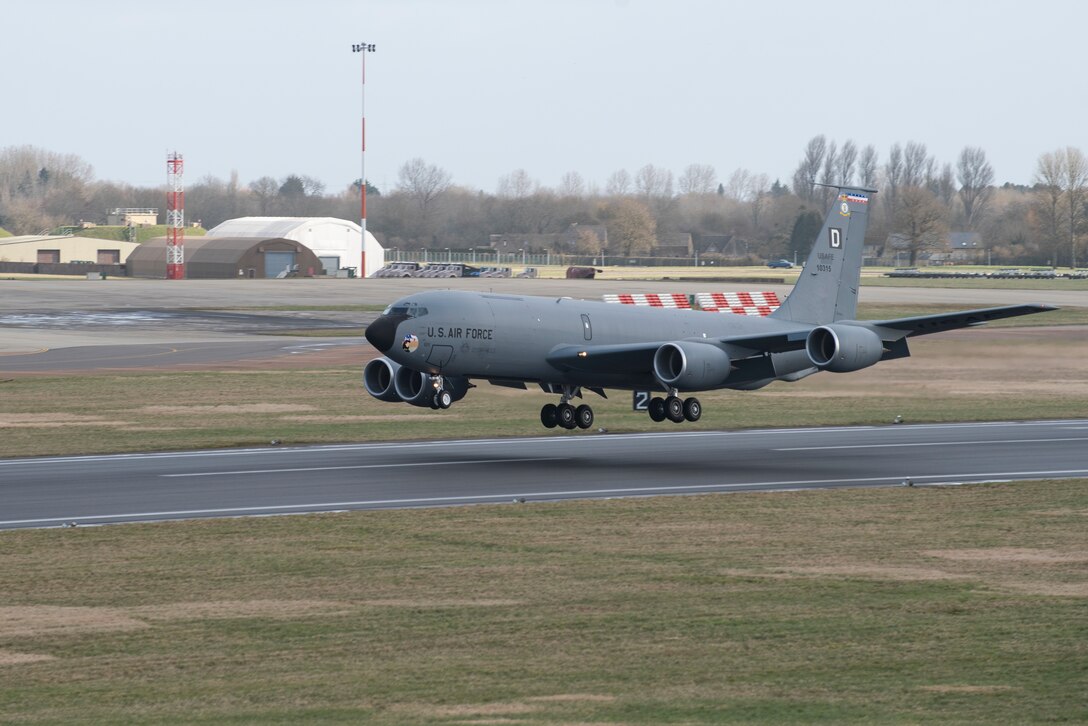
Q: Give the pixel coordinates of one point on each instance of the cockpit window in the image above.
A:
(411, 310)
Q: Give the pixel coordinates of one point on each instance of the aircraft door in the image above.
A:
(587, 327)
(440, 355)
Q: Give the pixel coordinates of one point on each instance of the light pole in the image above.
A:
(363, 49)
(449, 255)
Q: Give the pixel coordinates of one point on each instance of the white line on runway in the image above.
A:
(316, 507)
(366, 466)
(558, 440)
(929, 443)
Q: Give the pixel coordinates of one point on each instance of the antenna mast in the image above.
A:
(175, 216)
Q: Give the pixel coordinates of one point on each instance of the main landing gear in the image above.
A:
(674, 409)
(566, 415)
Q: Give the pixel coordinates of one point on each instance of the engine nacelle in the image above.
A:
(843, 348)
(417, 388)
(691, 366)
(378, 379)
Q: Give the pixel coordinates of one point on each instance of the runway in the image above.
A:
(94, 490)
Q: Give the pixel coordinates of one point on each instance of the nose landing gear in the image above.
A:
(564, 414)
(442, 399)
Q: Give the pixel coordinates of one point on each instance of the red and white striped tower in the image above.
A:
(175, 217)
(363, 48)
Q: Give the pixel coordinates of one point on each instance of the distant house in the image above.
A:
(560, 242)
(717, 244)
(965, 246)
(673, 244)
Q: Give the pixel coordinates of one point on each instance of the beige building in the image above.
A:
(133, 217)
(39, 249)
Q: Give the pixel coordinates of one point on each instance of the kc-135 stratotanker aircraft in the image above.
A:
(436, 343)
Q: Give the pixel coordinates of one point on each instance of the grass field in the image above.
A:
(922, 605)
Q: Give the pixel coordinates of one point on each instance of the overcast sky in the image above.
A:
(483, 87)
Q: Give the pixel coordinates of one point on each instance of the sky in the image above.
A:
(481, 88)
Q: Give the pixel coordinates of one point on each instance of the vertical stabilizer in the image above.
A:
(827, 289)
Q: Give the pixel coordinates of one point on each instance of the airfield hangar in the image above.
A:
(228, 258)
(338, 243)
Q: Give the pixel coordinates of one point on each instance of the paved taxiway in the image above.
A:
(139, 487)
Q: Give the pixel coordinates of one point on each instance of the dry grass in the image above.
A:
(957, 604)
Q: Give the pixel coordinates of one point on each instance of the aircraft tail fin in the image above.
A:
(827, 289)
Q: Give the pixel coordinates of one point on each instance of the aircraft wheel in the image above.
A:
(549, 416)
(443, 399)
(692, 409)
(583, 416)
(566, 416)
(674, 409)
(657, 409)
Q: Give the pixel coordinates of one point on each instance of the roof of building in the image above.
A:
(272, 226)
(58, 238)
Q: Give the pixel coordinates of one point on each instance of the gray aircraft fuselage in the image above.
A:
(509, 337)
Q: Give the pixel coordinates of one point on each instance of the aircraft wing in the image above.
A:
(636, 358)
(926, 324)
(639, 357)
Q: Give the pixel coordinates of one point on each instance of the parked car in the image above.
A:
(783, 264)
(528, 272)
(582, 273)
(398, 269)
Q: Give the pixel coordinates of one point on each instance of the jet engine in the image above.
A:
(691, 366)
(418, 388)
(843, 348)
(378, 379)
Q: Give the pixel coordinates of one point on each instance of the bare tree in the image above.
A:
(976, 178)
(867, 167)
(944, 186)
(828, 178)
(1061, 178)
(921, 220)
(847, 158)
(740, 182)
(423, 182)
(571, 184)
(517, 185)
(654, 183)
(1076, 189)
(918, 165)
(698, 179)
(893, 179)
(586, 242)
(631, 227)
(804, 179)
(1049, 175)
(265, 190)
(619, 184)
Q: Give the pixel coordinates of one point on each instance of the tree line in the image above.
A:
(921, 200)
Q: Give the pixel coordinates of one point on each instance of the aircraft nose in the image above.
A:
(383, 331)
